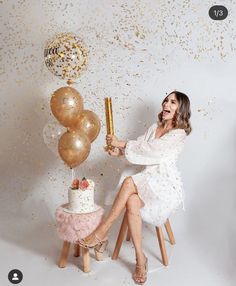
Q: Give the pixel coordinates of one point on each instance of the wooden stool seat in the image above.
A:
(160, 236)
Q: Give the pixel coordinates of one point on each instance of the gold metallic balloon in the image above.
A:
(66, 104)
(89, 123)
(74, 147)
(65, 56)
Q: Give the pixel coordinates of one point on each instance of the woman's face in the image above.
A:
(169, 106)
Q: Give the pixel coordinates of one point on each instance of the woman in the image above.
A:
(155, 192)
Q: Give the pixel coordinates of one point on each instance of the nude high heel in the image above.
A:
(140, 279)
(102, 246)
(99, 244)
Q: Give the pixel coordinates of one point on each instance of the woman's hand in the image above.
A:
(114, 152)
(114, 142)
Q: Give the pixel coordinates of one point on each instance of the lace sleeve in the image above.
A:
(153, 151)
(139, 139)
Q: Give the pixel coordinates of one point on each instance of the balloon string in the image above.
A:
(72, 174)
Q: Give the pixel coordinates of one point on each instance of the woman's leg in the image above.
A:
(133, 206)
(127, 189)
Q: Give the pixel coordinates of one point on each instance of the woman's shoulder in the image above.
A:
(151, 127)
(180, 132)
(171, 131)
(173, 134)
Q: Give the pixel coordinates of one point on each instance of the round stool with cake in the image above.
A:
(77, 219)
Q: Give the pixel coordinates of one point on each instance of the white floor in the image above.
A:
(34, 249)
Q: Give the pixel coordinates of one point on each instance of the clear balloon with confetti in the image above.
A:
(52, 132)
(66, 56)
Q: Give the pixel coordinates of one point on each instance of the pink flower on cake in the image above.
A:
(75, 184)
(84, 184)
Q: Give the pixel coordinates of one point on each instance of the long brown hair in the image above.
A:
(182, 114)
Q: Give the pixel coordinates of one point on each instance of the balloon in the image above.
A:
(74, 148)
(89, 123)
(52, 131)
(65, 56)
(66, 104)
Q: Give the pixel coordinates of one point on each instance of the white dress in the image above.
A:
(159, 184)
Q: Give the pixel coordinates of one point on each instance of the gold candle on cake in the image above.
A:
(109, 118)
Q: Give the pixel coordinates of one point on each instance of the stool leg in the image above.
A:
(98, 255)
(170, 232)
(77, 250)
(162, 245)
(64, 254)
(86, 259)
(128, 235)
(120, 238)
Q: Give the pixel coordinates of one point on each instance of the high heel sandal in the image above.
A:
(141, 278)
(99, 245)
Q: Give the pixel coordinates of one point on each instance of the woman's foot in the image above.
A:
(141, 268)
(94, 240)
(94, 237)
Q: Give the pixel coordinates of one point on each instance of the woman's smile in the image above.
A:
(165, 113)
(169, 107)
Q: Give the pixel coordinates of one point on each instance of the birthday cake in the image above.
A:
(81, 196)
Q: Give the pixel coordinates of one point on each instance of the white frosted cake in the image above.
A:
(81, 196)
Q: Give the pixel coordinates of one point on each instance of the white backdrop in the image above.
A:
(139, 51)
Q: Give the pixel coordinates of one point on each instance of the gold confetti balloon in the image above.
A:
(65, 56)
(74, 147)
(66, 104)
(89, 123)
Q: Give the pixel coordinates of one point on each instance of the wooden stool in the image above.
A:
(85, 254)
(124, 228)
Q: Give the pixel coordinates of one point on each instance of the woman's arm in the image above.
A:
(112, 140)
(153, 151)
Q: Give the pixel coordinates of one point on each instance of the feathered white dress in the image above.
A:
(159, 184)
